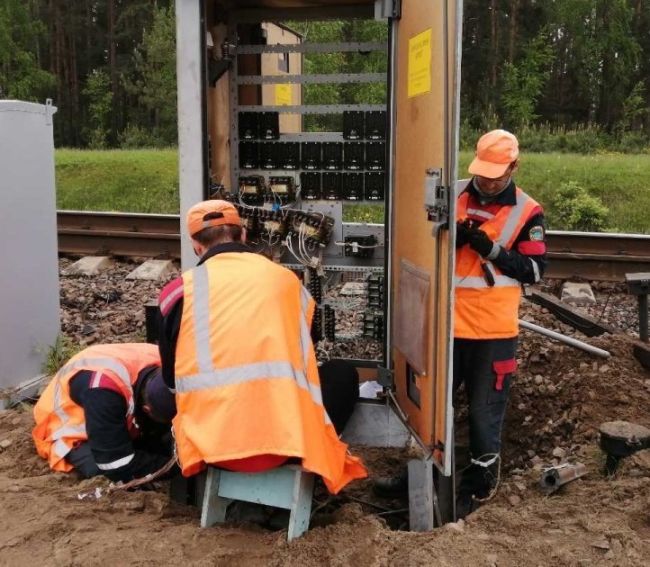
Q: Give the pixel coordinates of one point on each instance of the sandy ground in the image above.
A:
(558, 400)
(591, 521)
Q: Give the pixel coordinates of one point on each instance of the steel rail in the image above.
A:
(597, 256)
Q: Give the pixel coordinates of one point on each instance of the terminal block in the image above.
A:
(373, 325)
(315, 285)
(250, 221)
(273, 224)
(329, 323)
(314, 227)
(375, 293)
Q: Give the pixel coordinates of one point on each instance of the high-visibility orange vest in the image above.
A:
(247, 381)
(60, 422)
(481, 311)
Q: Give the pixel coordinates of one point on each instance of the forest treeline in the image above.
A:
(565, 74)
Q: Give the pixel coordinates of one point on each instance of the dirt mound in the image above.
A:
(562, 395)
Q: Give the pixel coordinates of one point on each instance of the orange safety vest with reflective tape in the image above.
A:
(247, 380)
(483, 311)
(60, 422)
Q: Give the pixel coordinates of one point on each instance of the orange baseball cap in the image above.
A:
(211, 213)
(495, 151)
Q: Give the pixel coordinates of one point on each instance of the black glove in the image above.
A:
(462, 234)
(480, 242)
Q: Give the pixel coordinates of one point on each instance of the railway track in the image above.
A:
(592, 256)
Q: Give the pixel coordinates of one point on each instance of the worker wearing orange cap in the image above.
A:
(235, 347)
(500, 244)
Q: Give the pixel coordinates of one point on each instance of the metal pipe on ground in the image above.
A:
(564, 339)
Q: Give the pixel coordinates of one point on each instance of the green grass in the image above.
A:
(138, 181)
(619, 180)
(147, 181)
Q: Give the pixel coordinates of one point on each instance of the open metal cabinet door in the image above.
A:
(426, 73)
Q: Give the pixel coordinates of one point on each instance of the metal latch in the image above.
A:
(436, 199)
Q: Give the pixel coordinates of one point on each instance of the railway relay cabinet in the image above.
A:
(295, 148)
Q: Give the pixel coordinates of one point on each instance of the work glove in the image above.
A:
(480, 242)
(462, 234)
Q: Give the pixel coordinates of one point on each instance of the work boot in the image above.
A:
(392, 486)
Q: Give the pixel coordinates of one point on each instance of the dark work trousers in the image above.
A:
(339, 383)
(486, 367)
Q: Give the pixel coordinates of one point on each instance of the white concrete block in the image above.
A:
(151, 270)
(578, 294)
(88, 266)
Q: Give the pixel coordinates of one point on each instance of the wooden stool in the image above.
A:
(288, 487)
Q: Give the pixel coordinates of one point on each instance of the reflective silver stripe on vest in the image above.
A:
(69, 431)
(305, 343)
(116, 464)
(237, 375)
(305, 334)
(538, 276)
(218, 377)
(514, 217)
(480, 213)
(60, 448)
(479, 282)
(201, 298)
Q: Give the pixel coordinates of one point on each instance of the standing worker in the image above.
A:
(235, 346)
(108, 412)
(500, 244)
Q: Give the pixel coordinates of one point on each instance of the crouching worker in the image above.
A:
(107, 412)
(235, 346)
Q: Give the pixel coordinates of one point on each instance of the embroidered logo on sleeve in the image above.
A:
(536, 234)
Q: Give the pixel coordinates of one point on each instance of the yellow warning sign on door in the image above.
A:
(419, 66)
(283, 95)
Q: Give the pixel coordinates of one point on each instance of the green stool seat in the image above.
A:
(288, 487)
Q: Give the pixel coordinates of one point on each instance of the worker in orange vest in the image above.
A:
(500, 245)
(108, 412)
(236, 349)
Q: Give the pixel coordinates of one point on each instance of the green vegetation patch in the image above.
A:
(618, 180)
(138, 181)
(147, 181)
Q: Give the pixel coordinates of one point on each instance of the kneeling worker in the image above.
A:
(235, 346)
(107, 412)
